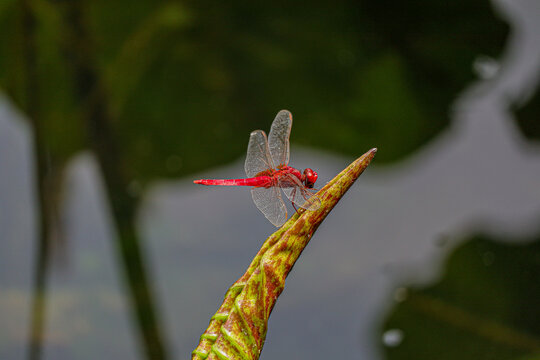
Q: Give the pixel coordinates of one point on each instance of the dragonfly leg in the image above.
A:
(292, 197)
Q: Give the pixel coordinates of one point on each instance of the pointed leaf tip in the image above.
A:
(334, 190)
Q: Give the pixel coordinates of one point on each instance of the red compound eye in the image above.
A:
(310, 177)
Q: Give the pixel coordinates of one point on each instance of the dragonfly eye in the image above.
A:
(310, 177)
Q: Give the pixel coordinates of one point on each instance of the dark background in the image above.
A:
(111, 108)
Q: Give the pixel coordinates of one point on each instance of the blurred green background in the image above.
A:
(189, 78)
(164, 89)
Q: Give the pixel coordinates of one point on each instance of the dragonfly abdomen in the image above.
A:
(259, 181)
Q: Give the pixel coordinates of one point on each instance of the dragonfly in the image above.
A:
(268, 172)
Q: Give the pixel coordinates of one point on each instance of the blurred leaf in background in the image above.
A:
(185, 82)
(484, 307)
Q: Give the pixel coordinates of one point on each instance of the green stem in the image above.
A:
(46, 204)
(101, 138)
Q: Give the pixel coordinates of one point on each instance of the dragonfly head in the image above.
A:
(309, 178)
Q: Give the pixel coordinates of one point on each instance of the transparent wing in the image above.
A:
(269, 201)
(258, 155)
(298, 194)
(278, 138)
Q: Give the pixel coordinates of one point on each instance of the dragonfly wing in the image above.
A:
(278, 138)
(258, 157)
(298, 194)
(270, 203)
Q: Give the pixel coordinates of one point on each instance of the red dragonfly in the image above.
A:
(268, 171)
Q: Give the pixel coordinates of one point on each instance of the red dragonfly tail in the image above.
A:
(260, 181)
